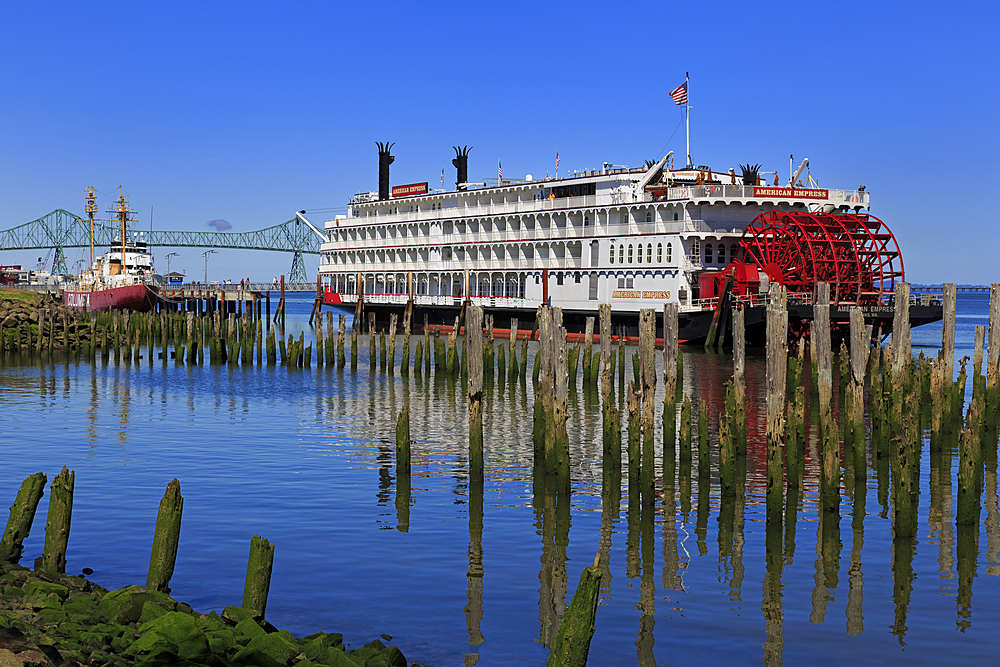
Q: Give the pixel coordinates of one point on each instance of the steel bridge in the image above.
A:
(61, 229)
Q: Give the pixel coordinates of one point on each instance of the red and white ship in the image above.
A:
(123, 279)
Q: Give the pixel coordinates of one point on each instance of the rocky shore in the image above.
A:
(53, 620)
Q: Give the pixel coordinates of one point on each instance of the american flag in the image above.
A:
(557, 161)
(680, 94)
(442, 175)
(499, 172)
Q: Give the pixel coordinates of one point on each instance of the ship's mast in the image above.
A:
(123, 214)
(91, 200)
(687, 116)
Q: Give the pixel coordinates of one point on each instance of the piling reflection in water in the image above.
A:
(359, 406)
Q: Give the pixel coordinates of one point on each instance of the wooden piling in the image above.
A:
(258, 580)
(633, 401)
(512, 370)
(670, 379)
(553, 394)
(777, 368)
(22, 515)
(393, 322)
(403, 441)
(588, 340)
(572, 642)
(949, 303)
(474, 341)
(685, 448)
(704, 462)
(427, 345)
(58, 524)
(611, 417)
(452, 363)
(165, 539)
(372, 349)
(341, 331)
(860, 346)
(737, 427)
(993, 356)
(647, 380)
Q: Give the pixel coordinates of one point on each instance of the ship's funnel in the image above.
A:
(461, 163)
(384, 160)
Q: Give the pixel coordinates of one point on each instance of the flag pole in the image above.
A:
(687, 115)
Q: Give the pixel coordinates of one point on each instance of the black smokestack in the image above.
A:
(384, 160)
(461, 163)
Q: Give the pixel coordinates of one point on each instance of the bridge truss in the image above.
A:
(61, 229)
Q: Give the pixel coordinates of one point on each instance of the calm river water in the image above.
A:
(458, 574)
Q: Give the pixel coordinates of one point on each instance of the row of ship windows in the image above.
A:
(710, 253)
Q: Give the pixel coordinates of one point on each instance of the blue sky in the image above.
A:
(248, 112)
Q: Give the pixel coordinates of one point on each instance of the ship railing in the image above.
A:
(687, 192)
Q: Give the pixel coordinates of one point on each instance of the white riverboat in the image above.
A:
(632, 237)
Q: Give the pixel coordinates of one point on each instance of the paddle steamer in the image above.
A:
(634, 237)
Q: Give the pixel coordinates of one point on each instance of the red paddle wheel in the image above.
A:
(854, 252)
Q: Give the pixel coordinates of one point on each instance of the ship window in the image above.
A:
(722, 253)
(659, 253)
(629, 283)
(593, 286)
(621, 282)
(675, 216)
(670, 251)
(629, 253)
(621, 254)
(708, 253)
(586, 221)
(576, 277)
(612, 253)
(649, 216)
(649, 253)
(638, 255)
(559, 279)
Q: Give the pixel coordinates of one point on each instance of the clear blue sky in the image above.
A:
(250, 111)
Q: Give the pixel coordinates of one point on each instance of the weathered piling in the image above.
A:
(418, 357)
(860, 345)
(258, 580)
(670, 332)
(647, 378)
(572, 642)
(737, 426)
(948, 303)
(969, 469)
(993, 358)
(372, 349)
(502, 359)
(685, 448)
(573, 354)
(474, 341)
(513, 369)
(611, 417)
(404, 363)
(588, 342)
(58, 524)
(331, 346)
(165, 539)
(633, 401)
(551, 439)
(22, 514)
(393, 323)
(354, 342)
(452, 364)
(829, 435)
(341, 331)
(704, 462)
(777, 368)
(427, 345)
(403, 441)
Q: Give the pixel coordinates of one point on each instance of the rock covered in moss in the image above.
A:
(51, 620)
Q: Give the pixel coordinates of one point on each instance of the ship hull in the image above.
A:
(127, 297)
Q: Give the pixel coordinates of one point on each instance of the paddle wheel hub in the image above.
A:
(855, 253)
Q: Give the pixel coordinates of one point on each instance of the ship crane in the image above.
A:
(795, 177)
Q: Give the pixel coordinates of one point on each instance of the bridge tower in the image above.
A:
(297, 274)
